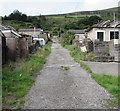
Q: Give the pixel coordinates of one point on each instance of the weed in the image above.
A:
(65, 68)
(10, 102)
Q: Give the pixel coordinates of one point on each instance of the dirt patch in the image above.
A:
(5, 105)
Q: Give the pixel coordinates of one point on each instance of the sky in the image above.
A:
(45, 7)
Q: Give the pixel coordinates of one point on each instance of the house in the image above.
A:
(33, 32)
(104, 31)
(3, 49)
(79, 35)
(106, 38)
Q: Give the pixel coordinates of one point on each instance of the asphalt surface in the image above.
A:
(56, 88)
(104, 67)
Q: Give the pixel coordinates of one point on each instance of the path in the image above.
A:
(56, 88)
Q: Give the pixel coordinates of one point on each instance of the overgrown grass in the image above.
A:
(17, 76)
(77, 54)
(110, 82)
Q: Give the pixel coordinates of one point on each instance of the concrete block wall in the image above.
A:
(114, 50)
(117, 52)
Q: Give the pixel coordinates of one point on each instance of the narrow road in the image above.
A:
(56, 88)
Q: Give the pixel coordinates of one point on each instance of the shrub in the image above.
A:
(67, 38)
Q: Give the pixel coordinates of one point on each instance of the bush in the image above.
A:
(67, 38)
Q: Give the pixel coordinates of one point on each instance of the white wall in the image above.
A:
(93, 33)
(79, 37)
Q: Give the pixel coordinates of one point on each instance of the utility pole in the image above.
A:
(114, 25)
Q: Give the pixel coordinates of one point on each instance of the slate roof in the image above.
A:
(106, 24)
(1, 34)
(6, 27)
(29, 30)
(78, 31)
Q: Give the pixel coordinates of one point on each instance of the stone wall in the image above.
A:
(88, 44)
(101, 48)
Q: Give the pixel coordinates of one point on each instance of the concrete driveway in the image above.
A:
(56, 88)
(104, 67)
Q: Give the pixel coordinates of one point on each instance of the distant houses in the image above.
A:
(79, 35)
(34, 32)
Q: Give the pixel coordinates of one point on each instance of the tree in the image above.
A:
(67, 38)
(16, 15)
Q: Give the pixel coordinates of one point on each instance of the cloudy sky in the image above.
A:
(37, 7)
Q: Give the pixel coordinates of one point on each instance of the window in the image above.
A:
(100, 36)
(112, 33)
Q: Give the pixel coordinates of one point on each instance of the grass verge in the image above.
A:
(110, 82)
(17, 77)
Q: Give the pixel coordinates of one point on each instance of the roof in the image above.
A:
(106, 24)
(6, 27)
(11, 31)
(1, 34)
(29, 30)
(78, 31)
(25, 35)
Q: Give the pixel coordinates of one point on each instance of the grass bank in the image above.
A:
(110, 82)
(17, 77)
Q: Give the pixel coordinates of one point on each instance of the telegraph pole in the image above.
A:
(114, 25)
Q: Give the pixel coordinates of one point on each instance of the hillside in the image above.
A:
(55, 21)
(84, 13)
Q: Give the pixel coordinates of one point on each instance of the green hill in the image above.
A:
(81, 14)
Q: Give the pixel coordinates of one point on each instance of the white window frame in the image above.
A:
(103, 34)
(113, 31)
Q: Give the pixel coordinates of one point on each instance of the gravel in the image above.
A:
(56, 88)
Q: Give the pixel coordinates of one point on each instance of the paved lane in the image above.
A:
(56, 88)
